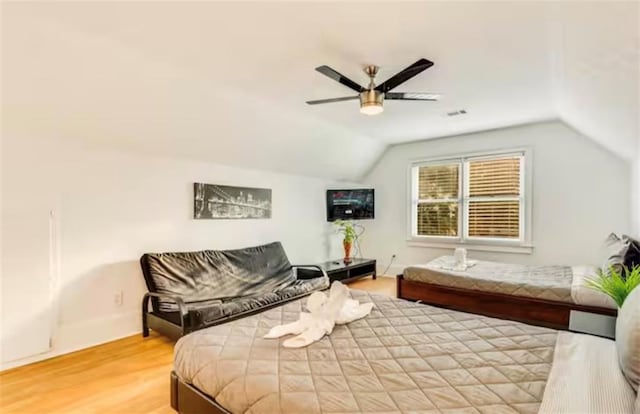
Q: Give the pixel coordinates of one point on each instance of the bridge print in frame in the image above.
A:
(212, 201)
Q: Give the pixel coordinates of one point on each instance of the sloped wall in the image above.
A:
(595, 70)
(580, 194)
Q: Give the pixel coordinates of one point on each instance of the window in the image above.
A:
(470, 200)
(438, 200)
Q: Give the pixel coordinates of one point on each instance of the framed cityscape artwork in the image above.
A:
(212, 201)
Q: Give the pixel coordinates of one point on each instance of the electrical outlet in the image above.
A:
(118, 297)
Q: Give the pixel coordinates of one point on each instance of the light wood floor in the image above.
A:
(130, 375)
(383, 285)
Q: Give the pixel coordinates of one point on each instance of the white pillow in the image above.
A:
(628, 338)
(583, 294)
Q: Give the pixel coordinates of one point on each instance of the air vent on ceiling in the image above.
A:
(457, 112)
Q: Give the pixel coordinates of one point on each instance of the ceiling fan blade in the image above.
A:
(336, 76)
(412, 96)
(404, 75)
(324, 101)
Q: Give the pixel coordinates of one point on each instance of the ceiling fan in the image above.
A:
(372, 97)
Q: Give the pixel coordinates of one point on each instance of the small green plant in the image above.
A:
(614, 285)
(347, 229)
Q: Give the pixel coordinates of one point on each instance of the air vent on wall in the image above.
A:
(457, 112)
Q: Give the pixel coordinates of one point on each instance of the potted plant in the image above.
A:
(348, 231)
(614, 285)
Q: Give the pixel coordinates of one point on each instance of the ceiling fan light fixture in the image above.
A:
(371, 109)
(371, 102)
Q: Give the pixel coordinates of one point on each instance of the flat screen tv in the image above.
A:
(355, 204)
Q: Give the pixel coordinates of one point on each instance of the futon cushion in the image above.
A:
(211, 275)
(628, 338)
(206, 313)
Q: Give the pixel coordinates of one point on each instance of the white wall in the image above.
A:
(109, 208)
(580, 190)
(635, 193)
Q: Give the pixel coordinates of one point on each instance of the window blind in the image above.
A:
(498, 177)
(438, 182)
(494, 197)
(438, 199)
(437, 219)
(494, 219)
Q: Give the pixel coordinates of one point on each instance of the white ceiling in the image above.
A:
(226, 82)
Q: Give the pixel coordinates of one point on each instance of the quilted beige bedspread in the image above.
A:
(541, 282)
(403, 358)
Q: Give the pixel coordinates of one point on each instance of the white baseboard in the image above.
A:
(85, 334)
(393, 270)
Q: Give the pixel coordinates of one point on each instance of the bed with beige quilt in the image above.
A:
(543, 295)
(404, 357)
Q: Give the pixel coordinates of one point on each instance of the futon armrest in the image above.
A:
(182, 308)
(324, 273)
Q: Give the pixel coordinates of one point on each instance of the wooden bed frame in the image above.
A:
(187, 399)
(551, 314)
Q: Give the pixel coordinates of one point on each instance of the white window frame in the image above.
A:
(521, 245)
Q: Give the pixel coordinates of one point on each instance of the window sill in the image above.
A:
(482, 247)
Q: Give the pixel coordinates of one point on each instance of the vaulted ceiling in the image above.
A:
(227, 82)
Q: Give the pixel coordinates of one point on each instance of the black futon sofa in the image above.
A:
(193, 290)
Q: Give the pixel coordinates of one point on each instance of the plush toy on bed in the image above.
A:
(324, 313)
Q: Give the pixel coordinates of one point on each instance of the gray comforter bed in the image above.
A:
(540, 282)
(403, 358)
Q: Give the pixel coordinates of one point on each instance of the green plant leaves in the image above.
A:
(614, 285)
(347, 229)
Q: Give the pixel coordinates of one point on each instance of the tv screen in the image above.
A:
(355, 204)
